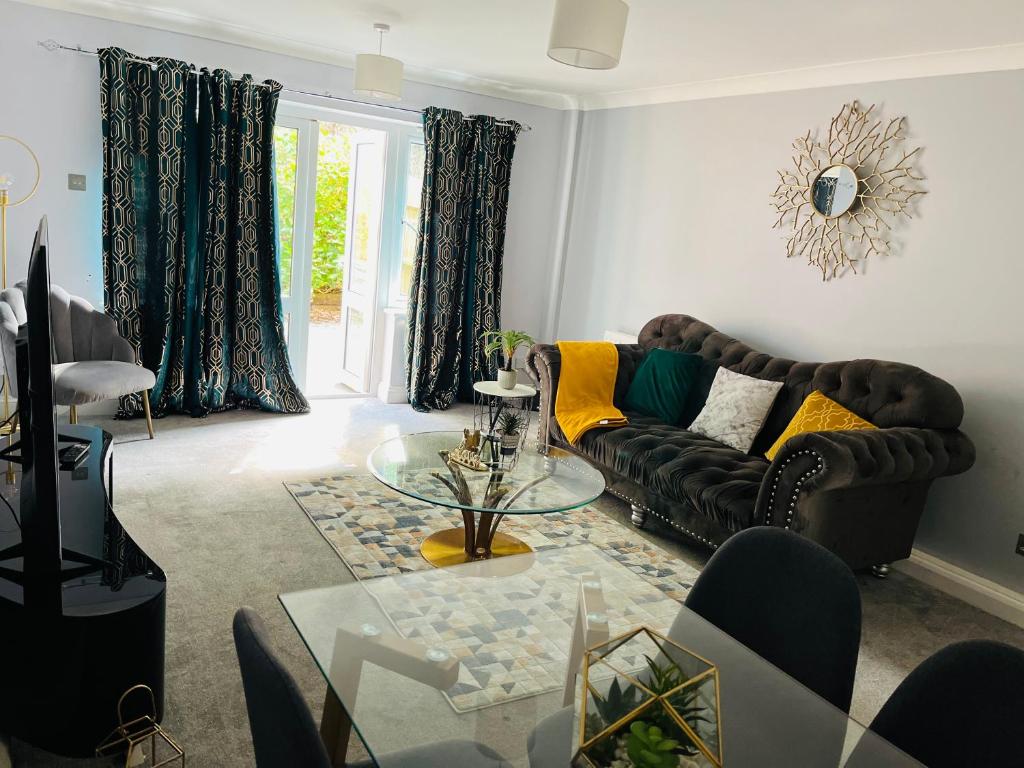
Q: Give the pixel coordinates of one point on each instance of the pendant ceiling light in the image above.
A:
(378, 76)
(588, 33)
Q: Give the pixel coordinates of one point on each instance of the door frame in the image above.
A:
(296, 304)
(401, 133)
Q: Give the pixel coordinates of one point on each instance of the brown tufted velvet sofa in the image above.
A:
(859, 493)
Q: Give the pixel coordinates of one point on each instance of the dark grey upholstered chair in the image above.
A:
(789, 600)
(91, 361)
(962, 706)
(284, 734)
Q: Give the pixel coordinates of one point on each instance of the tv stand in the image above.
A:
(62, 670)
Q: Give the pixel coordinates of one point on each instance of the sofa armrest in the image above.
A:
(821, 462)
(544, 362)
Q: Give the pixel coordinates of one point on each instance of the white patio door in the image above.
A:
(348, 204)
(362, 256)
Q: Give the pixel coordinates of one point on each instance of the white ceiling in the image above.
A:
(673, 48)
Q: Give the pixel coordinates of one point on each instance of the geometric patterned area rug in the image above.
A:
(377, 532)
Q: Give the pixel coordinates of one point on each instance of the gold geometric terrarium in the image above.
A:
(843, 194)
(141, 739)
(644, 701)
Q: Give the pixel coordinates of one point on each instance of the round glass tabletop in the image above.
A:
(415, 465)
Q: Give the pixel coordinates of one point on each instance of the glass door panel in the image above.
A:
(286, 146)
(294, 141)
(327, 272)
(410, 218)
(366, 205)
(348, 218)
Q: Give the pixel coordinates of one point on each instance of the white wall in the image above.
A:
(672, 214)
(51, 100)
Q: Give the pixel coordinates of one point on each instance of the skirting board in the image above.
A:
(972, 589)
(388, 394)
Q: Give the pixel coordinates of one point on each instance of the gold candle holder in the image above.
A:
(141, 739)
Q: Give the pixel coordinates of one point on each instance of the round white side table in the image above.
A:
(493, 401)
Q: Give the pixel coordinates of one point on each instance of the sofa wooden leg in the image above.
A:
(73, 415)
(639, 516)
(149, 416)
(880, 571)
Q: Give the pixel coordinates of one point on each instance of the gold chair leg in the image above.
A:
(73, 415)
(149, 417)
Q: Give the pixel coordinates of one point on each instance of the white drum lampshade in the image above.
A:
(588, 33)
(378, 76)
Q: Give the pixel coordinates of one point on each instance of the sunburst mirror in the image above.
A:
(842, 195)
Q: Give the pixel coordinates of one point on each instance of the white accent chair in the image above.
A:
(92, 362)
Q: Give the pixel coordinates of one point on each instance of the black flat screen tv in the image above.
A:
(40, 497)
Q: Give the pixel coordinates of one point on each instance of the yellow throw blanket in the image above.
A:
(586, 386)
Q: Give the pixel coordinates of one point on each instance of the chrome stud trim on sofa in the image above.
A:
(634, 505)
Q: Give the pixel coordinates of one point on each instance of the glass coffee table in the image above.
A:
(487, 650)
(419, 465)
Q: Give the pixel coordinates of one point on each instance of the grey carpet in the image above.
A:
(206, 500)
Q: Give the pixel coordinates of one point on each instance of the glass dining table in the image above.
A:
(487, 650)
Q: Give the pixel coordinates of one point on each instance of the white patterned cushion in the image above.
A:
(736, 408)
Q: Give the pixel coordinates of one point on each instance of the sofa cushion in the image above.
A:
(662, 383)
(818, 414)
(736, 409)
(718, 481)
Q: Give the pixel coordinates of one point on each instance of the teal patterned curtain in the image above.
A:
(189, 240)
(240, 351)
(148, 212)
(456, 283)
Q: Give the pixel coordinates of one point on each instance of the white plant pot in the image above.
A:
(507, 379)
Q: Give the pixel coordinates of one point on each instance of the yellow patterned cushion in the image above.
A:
(818, 414)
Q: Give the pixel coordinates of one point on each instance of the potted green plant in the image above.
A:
(507, 343)
(510, 425)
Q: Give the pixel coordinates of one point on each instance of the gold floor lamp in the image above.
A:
(10, 148)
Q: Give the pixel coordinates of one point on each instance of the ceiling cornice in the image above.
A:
(939, 63)
(958, 62)
(186, 24)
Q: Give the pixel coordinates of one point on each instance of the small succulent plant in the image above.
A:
(647, 747)
(510, 422)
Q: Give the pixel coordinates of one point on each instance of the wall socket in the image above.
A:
(76, 182)
(1020, 544)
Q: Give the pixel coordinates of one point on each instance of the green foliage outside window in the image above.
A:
(285, 148)
(330, 217)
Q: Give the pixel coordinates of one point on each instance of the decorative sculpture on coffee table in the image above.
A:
(844, 193)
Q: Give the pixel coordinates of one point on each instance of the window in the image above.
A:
(411, 217)
(286, 145)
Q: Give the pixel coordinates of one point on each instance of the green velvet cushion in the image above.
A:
(662, 383)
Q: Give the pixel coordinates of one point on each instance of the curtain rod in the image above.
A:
(53, 45)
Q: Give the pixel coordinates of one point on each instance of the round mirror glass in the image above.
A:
(834, 191)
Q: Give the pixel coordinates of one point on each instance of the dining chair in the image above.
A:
(284, 733)
(790, 601)
(787, 599)
(91, 361)
(964, 705)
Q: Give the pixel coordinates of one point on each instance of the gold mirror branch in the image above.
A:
(887, 183)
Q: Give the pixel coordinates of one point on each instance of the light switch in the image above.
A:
(76, 182)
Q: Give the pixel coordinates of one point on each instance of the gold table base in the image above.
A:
(449, 547)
